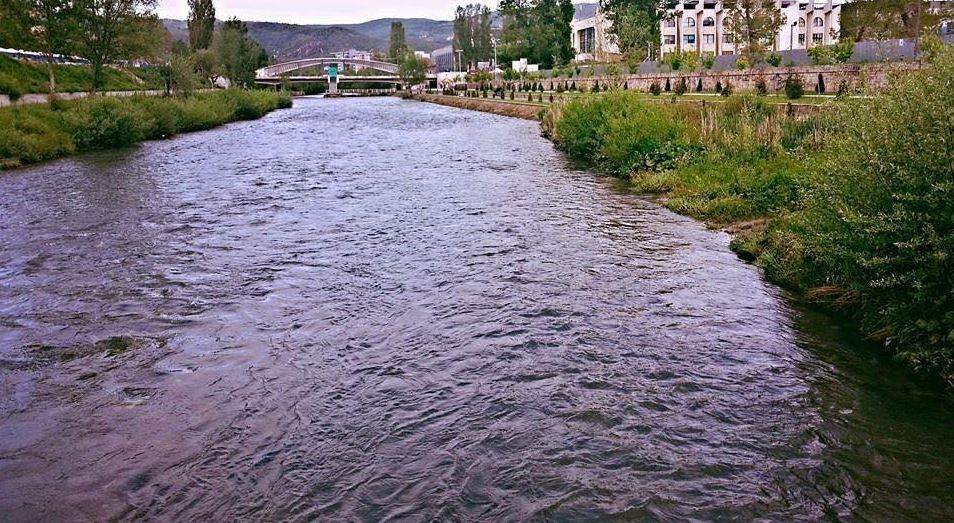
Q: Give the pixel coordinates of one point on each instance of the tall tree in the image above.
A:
(112, 29)
(635, 23)
(239, 53)
(398, 42)
(538, 30)
(47, 26)
(201, 23)
(753, 24)
(412, 70)
(472, 33)
(890, 19)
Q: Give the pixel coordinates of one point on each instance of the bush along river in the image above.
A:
(359, 310)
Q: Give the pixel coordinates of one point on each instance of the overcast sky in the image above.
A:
(320, 11)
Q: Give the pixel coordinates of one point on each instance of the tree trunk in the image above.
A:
(51, 74)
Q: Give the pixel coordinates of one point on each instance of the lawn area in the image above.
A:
(19, 78)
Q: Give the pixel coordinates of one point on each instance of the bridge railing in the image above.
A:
(277, 70)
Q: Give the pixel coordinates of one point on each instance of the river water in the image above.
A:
(374, 309)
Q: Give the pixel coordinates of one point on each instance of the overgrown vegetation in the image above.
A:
(853, 206)
(34, 133)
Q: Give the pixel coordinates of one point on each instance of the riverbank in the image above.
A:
(524, 110)
(18, 79)
(36, 133)
(839, 206)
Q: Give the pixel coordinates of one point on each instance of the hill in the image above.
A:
(291, 41)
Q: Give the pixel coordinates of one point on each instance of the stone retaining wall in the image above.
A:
(856, 77)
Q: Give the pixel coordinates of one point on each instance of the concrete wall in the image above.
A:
(856, 77)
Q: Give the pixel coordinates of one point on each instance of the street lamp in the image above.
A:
(460, 60)
(791, 39)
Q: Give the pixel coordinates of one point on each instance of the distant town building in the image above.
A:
(591, 39)
(443, 59)
(521, 66)
(700, 26)
(354, 54)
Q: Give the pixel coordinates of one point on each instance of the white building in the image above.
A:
(354, 54)
(590, 37)
(522, 66)
(700, 26)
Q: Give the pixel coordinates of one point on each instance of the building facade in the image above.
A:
(591, 39)
(443, 59)
(701, 26)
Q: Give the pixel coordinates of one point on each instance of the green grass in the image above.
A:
(19, 78)
(34, 133)
(853, 206)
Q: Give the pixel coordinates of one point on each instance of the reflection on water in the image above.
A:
(376, 309)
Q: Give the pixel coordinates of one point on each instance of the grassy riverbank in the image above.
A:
(20, 78)
(853, 207)
(31, 134)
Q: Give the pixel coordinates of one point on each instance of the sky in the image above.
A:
(320, 11)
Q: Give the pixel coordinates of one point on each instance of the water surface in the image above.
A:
(365, 310)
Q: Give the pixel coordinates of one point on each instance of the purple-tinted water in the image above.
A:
(365, 310)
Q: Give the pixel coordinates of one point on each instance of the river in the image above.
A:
(375, 309)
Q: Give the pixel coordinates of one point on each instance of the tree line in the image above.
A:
(107, 31)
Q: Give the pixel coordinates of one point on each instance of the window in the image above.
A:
(708, 39)
(801, 22)
(689, 39)
(818, 22)
(727, 53)
(708, 22)
(671, 22)
(801, 39)
(690, 22)
(728, 39)
(818, 38)
(669, 39)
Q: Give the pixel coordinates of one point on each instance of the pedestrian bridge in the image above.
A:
(286, 72)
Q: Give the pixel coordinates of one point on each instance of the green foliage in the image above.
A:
(742, 64)
(708, 61)
(538, 30)
(726, 89)
(681, 87)
(794, 88)
(36, 133)
(877, 234)
(398, 43)
(472, 33)
(201, 23)
(774, 59)
(858, 215)
(761, 88)
(29, 78)
(10, 86)
(620, 134)
(655, 89)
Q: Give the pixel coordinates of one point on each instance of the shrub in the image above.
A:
(10, 86)
(681, 87)
(104, 122)
(708, 61)
(843, 90)
(878, 232)
(774, 59)
(821, 55)
(820, 86)
(726, 89)
(761, 88)
(655, 89)
(668, 86)
(718, 87)
(621, 134)
(793, 87)
(742, 64)
(699, 86)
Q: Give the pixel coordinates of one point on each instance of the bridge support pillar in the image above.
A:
(333, 85)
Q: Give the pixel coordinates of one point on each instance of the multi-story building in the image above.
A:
(444, 59)
(700, 26)
(590, 37)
